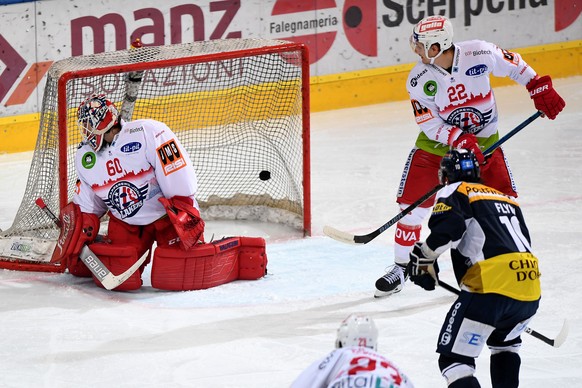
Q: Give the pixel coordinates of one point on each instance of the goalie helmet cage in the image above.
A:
(239, 106)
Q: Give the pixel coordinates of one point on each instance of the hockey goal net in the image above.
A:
(239, 106)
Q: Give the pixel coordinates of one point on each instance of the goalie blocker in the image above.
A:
(203, 266)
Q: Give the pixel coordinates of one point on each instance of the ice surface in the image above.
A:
(61, 331)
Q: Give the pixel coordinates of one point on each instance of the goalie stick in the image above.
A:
(349, 238)
(90, 259)
(556, 342)
(132, 83)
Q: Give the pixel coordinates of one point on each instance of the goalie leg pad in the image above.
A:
(202, 266)
(118, 258)
(252, 258)
(209, 265)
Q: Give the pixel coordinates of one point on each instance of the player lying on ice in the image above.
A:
(139, 173)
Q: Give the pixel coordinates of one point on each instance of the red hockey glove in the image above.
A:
(77, 229)
(469, 141)
(186, 220)
(545, 97)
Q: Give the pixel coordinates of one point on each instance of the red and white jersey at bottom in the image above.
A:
(352, 367)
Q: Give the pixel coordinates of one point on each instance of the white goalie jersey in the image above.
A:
(354, 366)
(145, 162)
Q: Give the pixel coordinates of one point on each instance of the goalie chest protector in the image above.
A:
(209, 265)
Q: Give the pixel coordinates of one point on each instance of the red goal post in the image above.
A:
(239, 106)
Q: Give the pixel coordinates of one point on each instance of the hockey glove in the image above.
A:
(422, 267)
(469, 141)
(186, 220)
(545, 97)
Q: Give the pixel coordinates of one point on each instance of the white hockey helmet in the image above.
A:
(95, 116)
(357, 330)
(432, 30)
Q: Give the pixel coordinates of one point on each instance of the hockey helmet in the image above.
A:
(432, 30)
(96, 115)
(357, 330)
(459, 165)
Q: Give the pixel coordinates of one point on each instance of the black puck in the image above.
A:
(265, 175)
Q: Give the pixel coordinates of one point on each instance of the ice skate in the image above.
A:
(392, 282)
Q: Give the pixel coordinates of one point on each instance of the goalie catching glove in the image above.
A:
(186, 220)
(545, 97)
(422, 267)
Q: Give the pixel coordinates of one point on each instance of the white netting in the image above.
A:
(237, 106)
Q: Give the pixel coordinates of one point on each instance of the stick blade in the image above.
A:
(562, 335)
(338, 235)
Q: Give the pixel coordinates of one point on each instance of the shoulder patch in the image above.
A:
(88, 160)
(441, 208)
(170, 157)
(421, 112)
(430, 88)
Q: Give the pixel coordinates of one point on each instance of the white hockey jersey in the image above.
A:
(352, 367)
(145, 162)
(463, 98)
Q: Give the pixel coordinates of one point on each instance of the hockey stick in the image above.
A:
(90, 259)
(349, 238)
(556, 342)
(132, 83)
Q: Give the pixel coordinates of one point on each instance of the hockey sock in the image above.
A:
(404, 238)
(466, 382)
(504, 369)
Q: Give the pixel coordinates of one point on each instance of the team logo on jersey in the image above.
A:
(126, 198)
(130, 147)
(469, 119)
(430, 88)
(477, 70)
(170, 157)
(88, 160)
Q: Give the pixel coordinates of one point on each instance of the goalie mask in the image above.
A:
(459, 165)
(432, 30)
(357, 330)
(96, 115)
